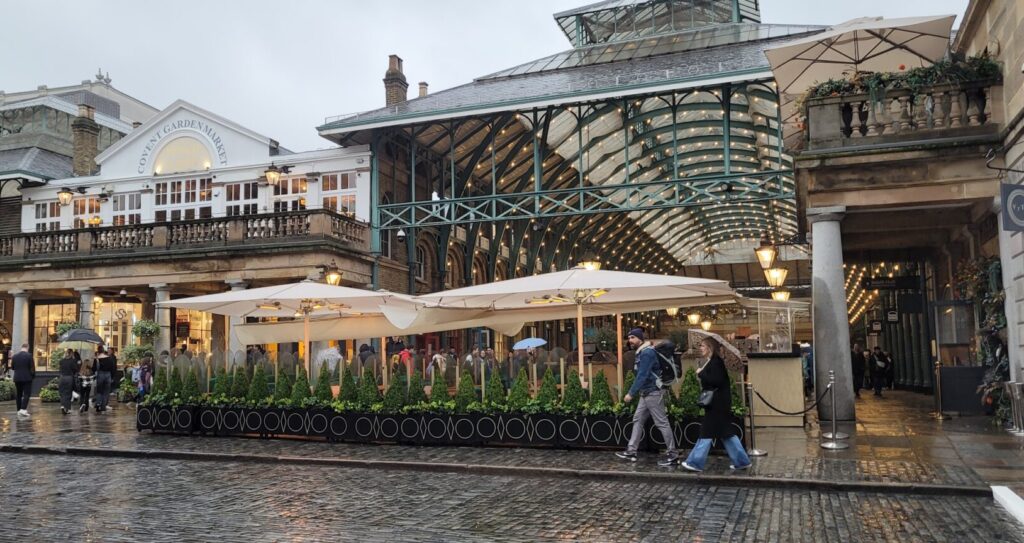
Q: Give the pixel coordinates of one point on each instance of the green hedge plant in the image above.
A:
(300, 390)
(283, 386)
(465, 394)
(259, 389)
(601, 393)
(495, 390)
(348, 391)
(575, 395)
(174, 384)
(438, 389)
(369, 394)
(519, 395)
(323, 390)
(547, 396)
(416, 393)
(190, 388)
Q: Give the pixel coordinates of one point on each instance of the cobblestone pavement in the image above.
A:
(111, 499)
(116, 430)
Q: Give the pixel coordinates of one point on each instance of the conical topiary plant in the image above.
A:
(368, 392)
(160, 380)
(627, 383)
(323, 390)
(689, 393)
(348, 391)
(416, 393)
(283, 386)
(495, 390)
(240, 383)
(575, 396)
(519, 395)
(547, 396)
(439, 389)
(221, 383)
(394, 399)
(174, 384)
(601, 393)
(190, 389)
(300, 390)
(258, 388)
(465, 394)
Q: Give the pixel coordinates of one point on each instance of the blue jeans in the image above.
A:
(699, 455)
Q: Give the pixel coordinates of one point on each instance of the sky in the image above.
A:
(280, 68)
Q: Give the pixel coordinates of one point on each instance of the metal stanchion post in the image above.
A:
(754, 451)
(832, 444)
(1017, 407)
(938, 414)
(834, 434)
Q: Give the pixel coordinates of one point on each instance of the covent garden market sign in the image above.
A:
(169, 129)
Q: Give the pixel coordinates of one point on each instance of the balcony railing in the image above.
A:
(903, 116)
(248, 233)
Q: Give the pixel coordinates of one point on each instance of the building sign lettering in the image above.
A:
(1013, 207)
(195, 125)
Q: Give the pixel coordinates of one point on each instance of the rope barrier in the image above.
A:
(812, 406)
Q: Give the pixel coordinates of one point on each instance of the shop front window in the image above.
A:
(46, 317)
(193, 331)
(115, 323)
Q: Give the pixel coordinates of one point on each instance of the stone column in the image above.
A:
(831, 327)
(235, 345)
(86, 296)
(163, 317)
(1011, 243)
(20, 320)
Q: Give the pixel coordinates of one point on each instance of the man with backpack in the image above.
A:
(650, 394)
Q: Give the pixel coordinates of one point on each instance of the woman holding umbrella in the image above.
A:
(66, 384)
(716, 423)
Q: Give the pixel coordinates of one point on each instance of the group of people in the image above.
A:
(76, 376)
(876, 365)
(651, 394)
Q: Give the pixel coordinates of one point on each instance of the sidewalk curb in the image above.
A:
(520, 471)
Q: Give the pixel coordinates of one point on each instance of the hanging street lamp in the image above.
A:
(705, 325)
(780, 295)
(332, 274)
(273, 173)
(589, 262)
(672, 311)
(693, 318)
(766, 252)
(776, 277)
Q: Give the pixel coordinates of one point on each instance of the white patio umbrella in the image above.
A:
(306, 300)
(867, 44)
(550, 294)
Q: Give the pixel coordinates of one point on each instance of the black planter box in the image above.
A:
(501, 429)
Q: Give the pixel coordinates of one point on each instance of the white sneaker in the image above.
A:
(27, 414)
(691, 468)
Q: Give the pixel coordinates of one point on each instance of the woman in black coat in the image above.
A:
(717, 422)
(66, 384)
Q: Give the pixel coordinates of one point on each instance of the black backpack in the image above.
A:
(669, 372)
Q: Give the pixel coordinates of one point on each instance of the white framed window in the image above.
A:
(241, 198)
(183, 199)
(127, 208)
(290, 194)
(339, 193)
(47, 216)
(82, 209)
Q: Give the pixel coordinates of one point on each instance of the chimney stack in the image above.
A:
(84, 141)
(395, 86)
(423, 89)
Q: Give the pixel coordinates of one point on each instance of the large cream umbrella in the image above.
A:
(867, 44)
(550, 294)
(306, 300)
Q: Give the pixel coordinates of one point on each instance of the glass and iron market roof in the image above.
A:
(630, 112)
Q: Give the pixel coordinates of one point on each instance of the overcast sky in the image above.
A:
(279, 68)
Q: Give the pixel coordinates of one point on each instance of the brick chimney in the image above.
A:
(84, 135)
(423, 89)
(395, 85)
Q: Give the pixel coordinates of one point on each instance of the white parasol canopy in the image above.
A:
(867, 44)
(549, 295)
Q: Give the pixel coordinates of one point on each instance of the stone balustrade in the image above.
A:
(902, 116)
(249, 233)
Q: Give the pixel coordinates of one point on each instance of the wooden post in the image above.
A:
(534, 369)
(618, 347)
(590, 375)
(384, 362)
(561, 371)
(483, 380)
(579, 339)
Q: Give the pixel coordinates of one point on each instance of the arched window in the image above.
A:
(421, 263)
(182, 154)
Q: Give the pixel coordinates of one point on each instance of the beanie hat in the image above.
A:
(637, 333)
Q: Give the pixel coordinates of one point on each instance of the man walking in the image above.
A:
(879, 370)
(106, 365)
(24, 369)
(857, 363)
(650, 400)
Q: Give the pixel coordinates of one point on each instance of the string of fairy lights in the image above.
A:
(858, 299)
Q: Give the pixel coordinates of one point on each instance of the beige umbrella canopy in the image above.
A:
(867, 44)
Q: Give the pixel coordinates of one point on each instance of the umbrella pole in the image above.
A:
(305, 339)
(618, 349)
(579, 339)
